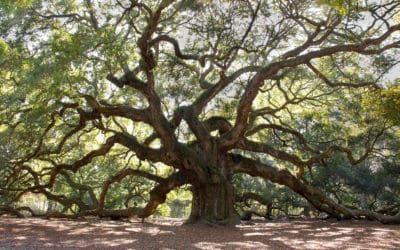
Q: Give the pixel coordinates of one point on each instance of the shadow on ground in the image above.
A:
(171, 234)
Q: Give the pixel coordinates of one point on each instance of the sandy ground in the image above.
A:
(93, 233)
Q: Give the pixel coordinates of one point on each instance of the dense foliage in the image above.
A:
(119, 108)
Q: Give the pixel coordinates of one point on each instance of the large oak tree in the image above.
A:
(189, 93)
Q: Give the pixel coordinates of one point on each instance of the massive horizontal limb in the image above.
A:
(158, 196)
(316, 197)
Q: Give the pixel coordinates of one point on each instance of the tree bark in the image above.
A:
(213, 202)
(313, 195)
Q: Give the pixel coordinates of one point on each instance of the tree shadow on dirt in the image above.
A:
(171, 234)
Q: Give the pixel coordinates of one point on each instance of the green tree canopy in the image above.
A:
(108, 106)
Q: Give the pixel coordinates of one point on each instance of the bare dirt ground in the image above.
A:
(93, 233)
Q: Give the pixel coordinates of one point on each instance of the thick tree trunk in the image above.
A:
(213, 203)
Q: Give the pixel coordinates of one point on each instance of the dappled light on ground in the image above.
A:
(93, 233)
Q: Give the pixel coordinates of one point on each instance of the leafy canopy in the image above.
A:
(108, 106)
